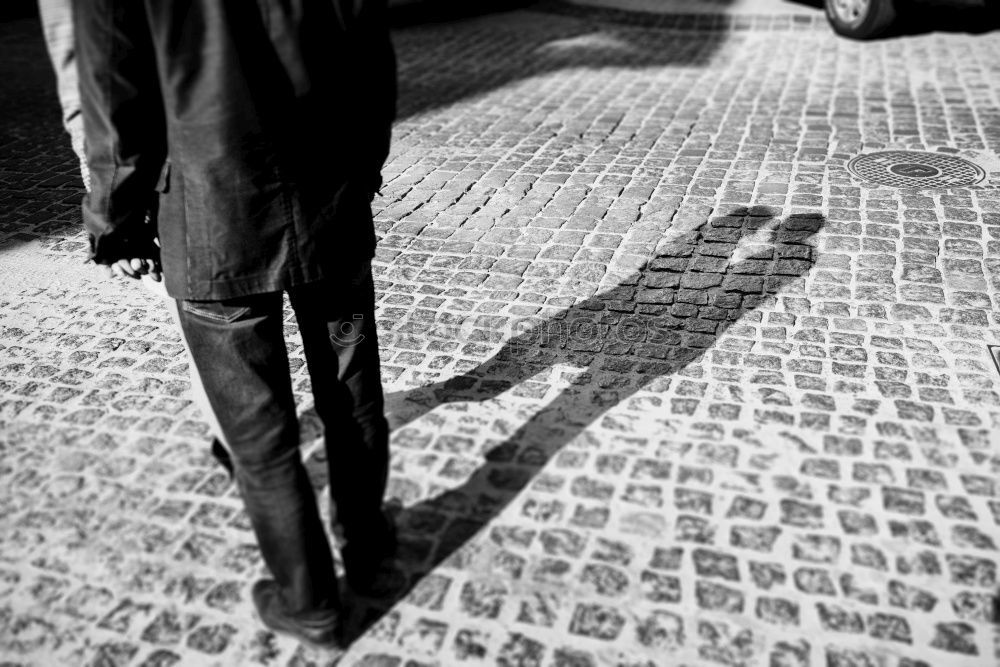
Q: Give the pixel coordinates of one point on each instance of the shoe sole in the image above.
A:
(333, 645)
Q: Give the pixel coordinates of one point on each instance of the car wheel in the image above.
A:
(861, 19)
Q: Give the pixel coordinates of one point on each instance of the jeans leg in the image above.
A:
(337, 322)
(239, 350)
(220, 449)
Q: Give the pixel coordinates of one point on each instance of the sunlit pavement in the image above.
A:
(669, 385)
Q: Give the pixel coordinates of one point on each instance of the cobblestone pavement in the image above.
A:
(667, 385)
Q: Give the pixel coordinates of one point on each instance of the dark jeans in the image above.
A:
(239, 350)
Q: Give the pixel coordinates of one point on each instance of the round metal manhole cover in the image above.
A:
(914, 169)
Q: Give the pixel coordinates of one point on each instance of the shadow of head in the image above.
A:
(703, 276)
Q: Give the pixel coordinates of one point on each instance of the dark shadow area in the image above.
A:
(40, 185)
(450, 60)
(18, 9)
(642, 333)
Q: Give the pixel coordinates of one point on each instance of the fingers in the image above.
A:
(123, 269)
(135, 268)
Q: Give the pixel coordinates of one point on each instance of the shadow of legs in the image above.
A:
(701, 281)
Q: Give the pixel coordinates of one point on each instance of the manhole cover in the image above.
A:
(914, 169)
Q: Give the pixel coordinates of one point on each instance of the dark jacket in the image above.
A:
(257, 128)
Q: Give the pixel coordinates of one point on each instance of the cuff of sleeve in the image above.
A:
(118, 244)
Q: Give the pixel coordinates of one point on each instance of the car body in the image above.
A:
(866, 19)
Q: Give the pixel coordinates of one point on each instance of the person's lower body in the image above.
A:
(218, 447)
(341, 348)
(239, 351)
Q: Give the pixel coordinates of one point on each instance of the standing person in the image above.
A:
(253, 134)
(57, 26)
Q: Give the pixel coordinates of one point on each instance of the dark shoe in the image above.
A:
(319, 631)
(363, 559)
(223, 456)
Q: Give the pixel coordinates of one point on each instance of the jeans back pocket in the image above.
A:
(218, 311)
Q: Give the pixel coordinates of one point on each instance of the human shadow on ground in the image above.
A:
(702, 278)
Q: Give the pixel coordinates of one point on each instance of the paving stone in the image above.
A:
(667, 558)
(482, 598)
(161, 658)
(766, 575)
(844, 657)
(660, 588)
(790, 654)
(778, 611)
(837, 619)
(971, 571)
(910, 597)
(424, 637)
(955, 638)
(540, 609)
(211, 639)
(754, 537)
(716, 564)
(597, 621)
(114, 653)
(721, 643)
(520, 650)
(717, 597)
(470, 645)
(604, 580)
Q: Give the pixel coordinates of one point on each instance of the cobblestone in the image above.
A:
(667, 386)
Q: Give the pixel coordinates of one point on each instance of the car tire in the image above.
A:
(861, 19)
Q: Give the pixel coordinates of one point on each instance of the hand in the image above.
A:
(135, 268)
